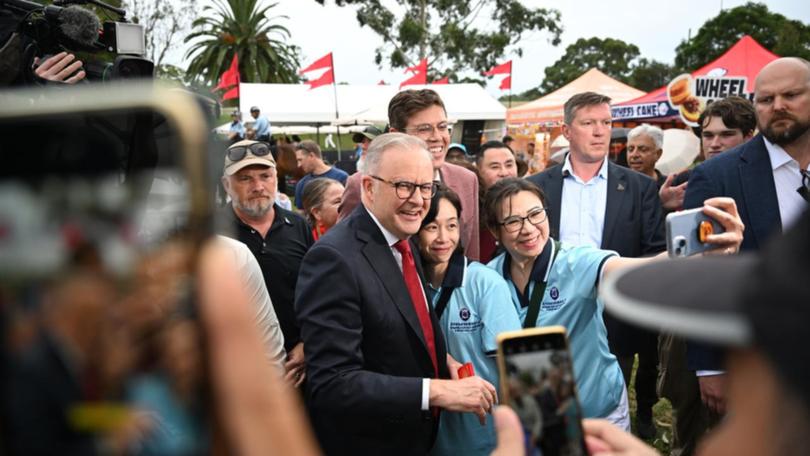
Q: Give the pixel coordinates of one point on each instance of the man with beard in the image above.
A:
(277, 237)
(764, 176)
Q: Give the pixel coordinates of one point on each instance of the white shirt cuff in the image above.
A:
(425, 394)
(708, 373)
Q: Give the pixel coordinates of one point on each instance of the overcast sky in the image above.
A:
(655, 27)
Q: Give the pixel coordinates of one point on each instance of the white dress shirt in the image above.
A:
(787, 178)
(583, 205)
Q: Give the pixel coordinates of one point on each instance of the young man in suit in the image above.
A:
(375, 356)
(422, 113)
(764, 176)
(725, 124)
(592, 201)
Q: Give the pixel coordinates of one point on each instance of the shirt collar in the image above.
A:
(454, 277)
(390, 238)
(541, 267)
(567, 170)
(777, 154)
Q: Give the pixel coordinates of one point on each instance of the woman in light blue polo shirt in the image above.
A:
(473, 306)
(556, 284)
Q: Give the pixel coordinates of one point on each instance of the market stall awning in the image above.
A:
(549, 108)
(739, 66)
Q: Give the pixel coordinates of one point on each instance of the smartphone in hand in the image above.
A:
(537, 381)
(687, 231)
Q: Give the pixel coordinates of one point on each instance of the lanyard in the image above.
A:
(444, 297)
(537, 294)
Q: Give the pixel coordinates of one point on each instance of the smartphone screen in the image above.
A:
(101, 344)
(538, 383)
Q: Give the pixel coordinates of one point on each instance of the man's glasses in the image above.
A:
(405, 190)
(428, 129)
(238, 152)
(515, 223)
(804, 190)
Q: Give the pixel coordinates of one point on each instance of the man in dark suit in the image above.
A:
(375, 356)
(763, 176)
(592, 201)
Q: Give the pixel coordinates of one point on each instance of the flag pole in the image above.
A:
(337, 115)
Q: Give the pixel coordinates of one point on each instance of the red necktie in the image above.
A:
(418, 299)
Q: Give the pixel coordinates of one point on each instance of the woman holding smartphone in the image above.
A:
(473, 306)
(551, 283)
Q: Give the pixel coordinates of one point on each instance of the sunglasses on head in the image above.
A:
(239, 152)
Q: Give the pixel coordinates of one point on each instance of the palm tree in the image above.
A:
(246, 28)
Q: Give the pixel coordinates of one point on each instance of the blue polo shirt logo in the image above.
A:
(464, 313)
(555, 303)
(554, 293)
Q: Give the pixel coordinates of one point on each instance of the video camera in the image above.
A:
(37, 30)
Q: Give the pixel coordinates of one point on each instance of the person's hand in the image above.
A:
(58, 68)
(672, 197)
(471, 394)
(724, 210)
(713, 392)
(509, 432)
(259, 413)
(294, 367)
(453, 366)
(605, 439)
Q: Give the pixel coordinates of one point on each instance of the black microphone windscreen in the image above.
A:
(79, 24)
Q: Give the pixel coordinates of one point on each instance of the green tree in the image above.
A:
(648, 75)
(450, 34)
(247, 28)
(163, 21)
(612, 57)
(774, 31)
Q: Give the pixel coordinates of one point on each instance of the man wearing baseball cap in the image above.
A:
(756, 305)
(277, 237)
(262, 126)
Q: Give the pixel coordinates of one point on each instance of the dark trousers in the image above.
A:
(692, 419)
(625, 342)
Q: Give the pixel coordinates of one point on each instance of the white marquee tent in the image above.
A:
(296, 104)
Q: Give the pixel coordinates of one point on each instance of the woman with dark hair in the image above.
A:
(556, 284)
(472, 303)
(321, 198)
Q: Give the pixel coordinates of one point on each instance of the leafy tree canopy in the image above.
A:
(245, 27)
(448, 34)
(777, 33)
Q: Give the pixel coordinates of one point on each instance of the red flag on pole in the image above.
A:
(323, 62)
(444, 80)
(419, 74)
(328, 77)
(233, 93)
(504, 68)
(231, 76)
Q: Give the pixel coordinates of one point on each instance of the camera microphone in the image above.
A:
(78, 25)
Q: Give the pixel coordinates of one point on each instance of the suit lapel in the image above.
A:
(553, 191)
(759, 191)
(382, 262)
(616, 188)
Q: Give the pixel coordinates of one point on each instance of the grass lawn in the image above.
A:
(662, 416)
